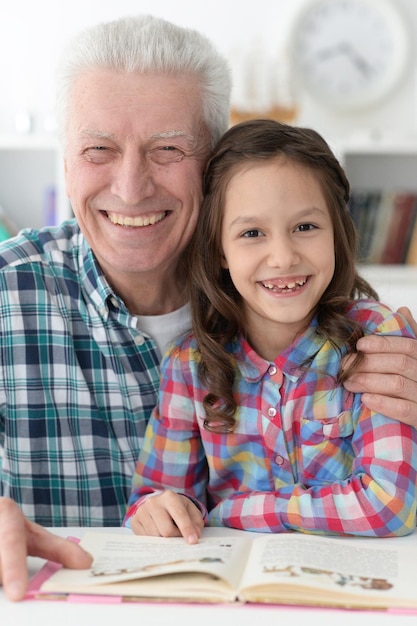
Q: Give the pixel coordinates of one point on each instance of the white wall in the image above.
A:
(32, 33)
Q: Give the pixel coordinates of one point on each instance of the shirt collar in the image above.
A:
(291, 362)
(94, 284)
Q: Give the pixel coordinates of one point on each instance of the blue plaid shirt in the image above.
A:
(78, 381)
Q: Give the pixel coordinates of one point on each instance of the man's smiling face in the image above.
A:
(136, 147)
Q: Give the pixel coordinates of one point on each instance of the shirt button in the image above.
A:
(279, 460)
(114, 302)
(272, 370)
(139, 340)
(272, 412)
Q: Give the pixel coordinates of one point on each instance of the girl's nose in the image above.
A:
(282, 253)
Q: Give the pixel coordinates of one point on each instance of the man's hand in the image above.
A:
(168, 514)
(388, 375)
(20, 538)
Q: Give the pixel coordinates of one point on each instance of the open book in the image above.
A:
(289, 569)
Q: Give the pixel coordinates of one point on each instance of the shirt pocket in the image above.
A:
(326, 448)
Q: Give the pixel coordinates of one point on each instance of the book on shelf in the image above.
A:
(386, 223)
(239, 567)
(401, 221)
(364, 209)
(411, 251)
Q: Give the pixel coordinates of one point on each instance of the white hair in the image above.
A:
(148, 44)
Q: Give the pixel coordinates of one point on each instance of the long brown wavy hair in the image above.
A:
(215, 302)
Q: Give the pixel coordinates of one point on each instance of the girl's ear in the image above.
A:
(224, 262)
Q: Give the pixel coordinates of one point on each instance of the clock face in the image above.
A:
(349, 53)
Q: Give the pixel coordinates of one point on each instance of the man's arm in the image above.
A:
(388, 375)
(20, 538)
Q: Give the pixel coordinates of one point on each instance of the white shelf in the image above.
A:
(30, 167)
(28, 142)
(376, 143)
(379, 163)
(396, 284)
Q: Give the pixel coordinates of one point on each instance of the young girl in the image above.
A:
(254, 429)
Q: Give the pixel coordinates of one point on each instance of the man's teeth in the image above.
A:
(289, 285)
(124, 220)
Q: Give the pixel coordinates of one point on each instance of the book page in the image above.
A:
(360, 566)
(120, 558)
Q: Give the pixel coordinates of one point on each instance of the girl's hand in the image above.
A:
(168, 514)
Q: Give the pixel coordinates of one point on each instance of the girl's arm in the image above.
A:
(169, 493)
(377, 499)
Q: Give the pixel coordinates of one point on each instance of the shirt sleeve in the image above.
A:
(378, 498)
(172, 456)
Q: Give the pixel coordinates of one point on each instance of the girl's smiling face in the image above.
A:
(278, 245)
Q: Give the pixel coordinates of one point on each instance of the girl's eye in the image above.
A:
(305, 227)
(254, 232)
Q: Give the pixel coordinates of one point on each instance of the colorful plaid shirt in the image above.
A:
(306, 454)
(78, 382)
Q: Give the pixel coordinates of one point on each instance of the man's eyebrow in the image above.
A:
(97, 134)
(168, 134)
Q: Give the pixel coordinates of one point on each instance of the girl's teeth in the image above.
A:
(292, 285)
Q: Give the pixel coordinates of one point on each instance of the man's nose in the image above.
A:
(133, 180)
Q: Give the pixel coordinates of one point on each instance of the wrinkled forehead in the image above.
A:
(169, 103)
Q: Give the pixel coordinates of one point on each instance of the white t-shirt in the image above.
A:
(165, 328)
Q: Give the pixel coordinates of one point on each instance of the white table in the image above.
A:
(55, 613)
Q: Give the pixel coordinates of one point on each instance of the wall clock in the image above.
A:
(350, 54)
